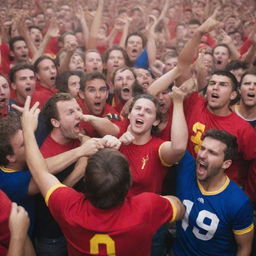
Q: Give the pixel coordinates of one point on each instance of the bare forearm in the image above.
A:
(163, 82)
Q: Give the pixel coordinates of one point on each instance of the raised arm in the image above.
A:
(95, 25)
(172, 151)
(163, 82)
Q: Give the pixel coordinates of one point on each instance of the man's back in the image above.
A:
(126, 229)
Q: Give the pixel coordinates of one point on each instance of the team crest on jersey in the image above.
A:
(144, 161)
(200, 199)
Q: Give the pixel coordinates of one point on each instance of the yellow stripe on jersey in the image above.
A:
(174, 210)
(244, 231)
(7, 169)
(49, 192)
(161, 159)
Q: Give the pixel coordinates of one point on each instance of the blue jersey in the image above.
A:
(212, 218)
(15, 185)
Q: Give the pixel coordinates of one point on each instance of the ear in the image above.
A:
(11, 54)
(11, 158)
(233, 95)
(55, 123)
(156, 123)
(81, 94)
(14, 87)
(37, 77)
(226, 164)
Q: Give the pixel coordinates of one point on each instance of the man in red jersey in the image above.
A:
(94, 92)
(103, 220)
(46, 72)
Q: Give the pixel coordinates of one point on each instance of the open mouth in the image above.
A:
(95, 68)
(139, 122)
(37, 40)
(97, 104)
(24, 55)
(219, 62)
(134, 51)
(215, 96)
(201, 167)
(28, 89)
(52, 78)
(251, 95)
(126, 90)
(2, 100)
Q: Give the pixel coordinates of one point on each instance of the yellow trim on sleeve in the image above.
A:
(244, 231)
(49, 192)
(161, 159)
(174, 209)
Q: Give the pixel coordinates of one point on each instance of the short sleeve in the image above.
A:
(243, 220)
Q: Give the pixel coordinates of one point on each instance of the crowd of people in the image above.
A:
(127, 127)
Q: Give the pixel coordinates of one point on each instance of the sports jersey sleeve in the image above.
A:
(244, 220)
(160, 210)
(60, 199)
(16, 184)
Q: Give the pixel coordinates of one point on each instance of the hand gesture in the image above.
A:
(91, 146)
(127, 138)
(29, 118)
(110, 141)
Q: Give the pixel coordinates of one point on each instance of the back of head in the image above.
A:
(107, 179)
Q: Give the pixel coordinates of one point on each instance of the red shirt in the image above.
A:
(51, 148)
(250, 184)
(5, 210)
(42, 95)
(200, 119)
(108, 111)
(124, 230)
(148, 171)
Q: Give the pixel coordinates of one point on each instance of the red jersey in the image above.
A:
(108, 112)
(250, 186)
(5, 210)
(124, 230)
(147, 168)
(165, 134)
(200, 119)
(51, 148)
(42, 95)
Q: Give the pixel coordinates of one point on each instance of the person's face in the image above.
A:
(4, 92)
(123, 83)
(76, 63)
(134, 47)
(74, 85)
(248, 90)
(69, 119)
(208, 61)
(170, 63)
(20, 51)
(17, 144)
(219, 92)
(70, 41)
(93, 62)
(142, 116)
(221, 57)
(210, 159)
(144, 78)
(36, 36)
(192, 29)
(238, 73)
(47, 73)
(95, 96)
(115, 60)
(25, 82)
(165, 101)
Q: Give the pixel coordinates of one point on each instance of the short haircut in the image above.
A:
(35, 27)
(18, 67)
(50, 110)
(228, 139)
(15, 39)
(90, 77)
(228, 74)
(9, 126)
(136, 34)
(223, 45)
(159, 115)
(116, 48)
(62, 37)
(107, 179)
(62, 79)
(236, 64)
(122, 69)
(40, 59)
(249, 72)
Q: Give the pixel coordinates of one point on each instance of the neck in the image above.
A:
(15, 166)
(248, 112)
(141, 139)
(224, 111)
(57, 136)
(215, 183)
(20, 100)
